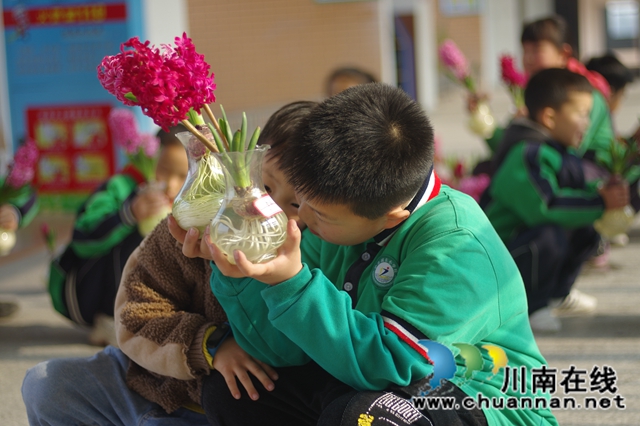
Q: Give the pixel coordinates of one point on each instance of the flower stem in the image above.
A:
(214, 121)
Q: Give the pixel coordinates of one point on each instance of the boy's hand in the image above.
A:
(286, 265)
(147, 203)
(192, 246)
(233, 362)
(8, 218)
(615, 195)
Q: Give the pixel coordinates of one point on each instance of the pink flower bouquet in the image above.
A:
(140, 148)
(456, 64)
(21, 171)
(171, 85)
(515, 80)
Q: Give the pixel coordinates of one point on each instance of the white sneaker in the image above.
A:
(103, 332)
(544, 320)
(576, 304)
(619, 240)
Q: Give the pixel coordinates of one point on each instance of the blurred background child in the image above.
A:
(539, 201)
(343, 78)
(83, 282)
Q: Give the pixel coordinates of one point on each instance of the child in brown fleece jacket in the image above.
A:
(164, 313)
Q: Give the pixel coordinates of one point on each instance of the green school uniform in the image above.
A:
(26, 204)
(444, 275)
(105, 219)
(538, 182)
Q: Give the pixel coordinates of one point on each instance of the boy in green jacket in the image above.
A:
(17, 213)
(539, 201)
(394, 271)
(105, 233)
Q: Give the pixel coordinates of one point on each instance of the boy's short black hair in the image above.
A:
(169, 138)
(551, 88)
(369, 147)
(280, 129)
(614, 71)
(552, 29)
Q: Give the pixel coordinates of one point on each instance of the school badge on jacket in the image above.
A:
(384, 271)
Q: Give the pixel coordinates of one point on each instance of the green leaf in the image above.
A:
(236, 144)
(254, 139)
(131, 97)
(194, 118)
(227, 127)
(216, 138)
(243, 131)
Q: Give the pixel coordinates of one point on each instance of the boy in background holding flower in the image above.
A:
(18, 201)
(106, 231)
(539, 201)
(166, 318)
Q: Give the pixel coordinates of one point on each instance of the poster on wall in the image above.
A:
(52, 50)
(74, 144)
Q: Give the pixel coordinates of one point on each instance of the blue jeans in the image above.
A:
(92, 391)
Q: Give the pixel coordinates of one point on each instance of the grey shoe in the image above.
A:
(544, 320)
(7, 309)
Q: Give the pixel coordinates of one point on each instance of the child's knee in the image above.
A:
(40, 384)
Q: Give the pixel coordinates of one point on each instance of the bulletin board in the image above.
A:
(53, 48)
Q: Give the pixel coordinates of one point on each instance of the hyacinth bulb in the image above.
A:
(204, 188)
(7, 241)
(615, 222)
(481, 121)
(248, 220)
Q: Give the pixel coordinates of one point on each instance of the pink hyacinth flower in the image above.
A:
(453, 59)
(166, 83)
(124, 129)
(510, 75)
(474, 185)
(22, 171)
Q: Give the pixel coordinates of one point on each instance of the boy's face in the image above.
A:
(341, 84)
(569, 123)
(337, 224)
(172, 169)
(540, 55)
(615, 98)
(280, 190)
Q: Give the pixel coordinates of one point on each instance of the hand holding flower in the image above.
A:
(149, 202)
(8, 218)
(514, 80)
(615, 194)
(283, 267)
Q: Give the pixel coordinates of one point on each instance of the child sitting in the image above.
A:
(16, 213)
(538, 200)
(105, 233)
(392, 266)
(343, 78)
(165, 316)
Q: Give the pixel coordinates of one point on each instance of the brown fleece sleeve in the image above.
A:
(163, 306)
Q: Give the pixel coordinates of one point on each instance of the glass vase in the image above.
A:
(481, 121)
(615, 222)
(201, 195)
(7, 241)
(248, 220)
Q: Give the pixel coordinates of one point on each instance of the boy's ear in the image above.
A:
(547, 117)
(395, 217)
(566, 50)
